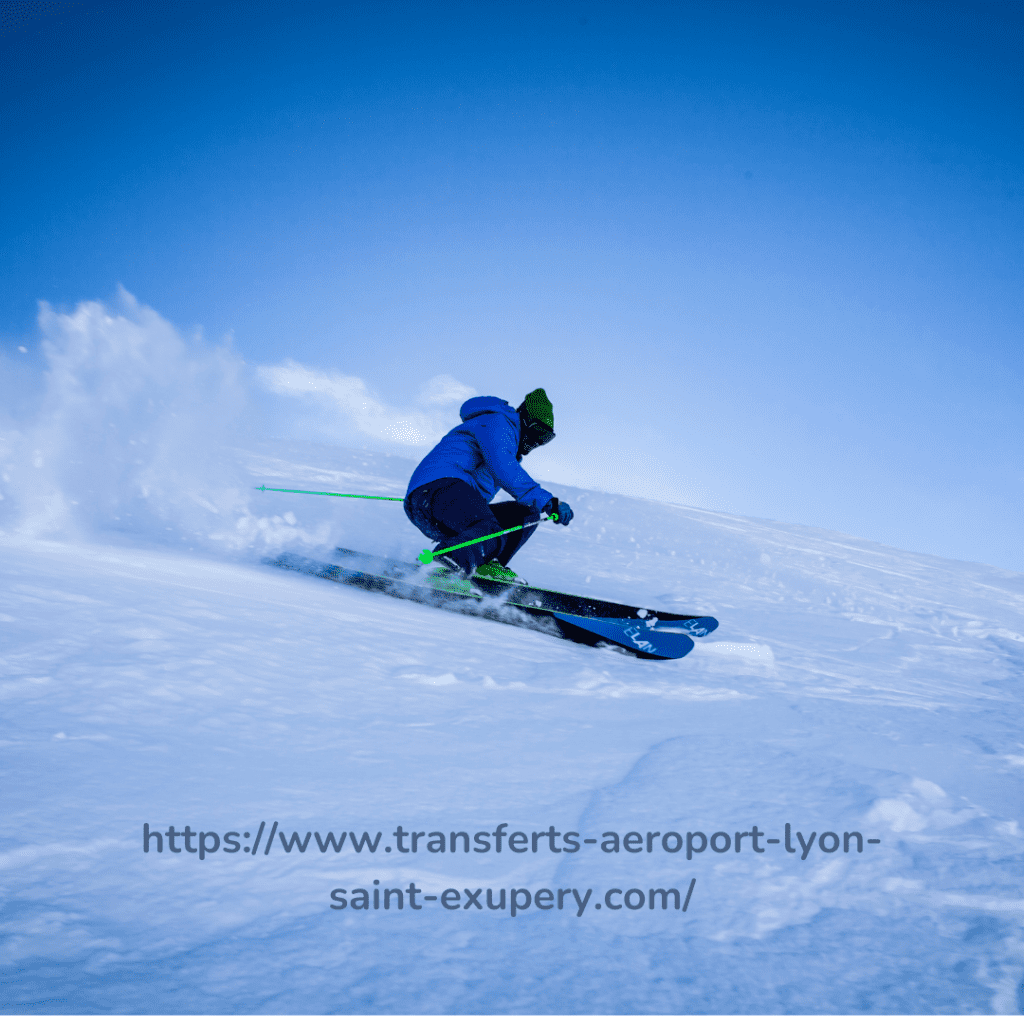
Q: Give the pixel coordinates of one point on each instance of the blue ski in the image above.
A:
(644, 632)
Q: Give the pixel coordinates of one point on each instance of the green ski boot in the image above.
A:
(451, 580)
(494, 570)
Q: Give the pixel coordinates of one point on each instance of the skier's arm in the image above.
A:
(498, 442)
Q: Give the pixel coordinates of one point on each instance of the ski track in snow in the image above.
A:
(851, 687)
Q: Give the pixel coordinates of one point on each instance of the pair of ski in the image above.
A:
(586, 620)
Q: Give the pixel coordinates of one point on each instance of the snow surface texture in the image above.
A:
(154, 671)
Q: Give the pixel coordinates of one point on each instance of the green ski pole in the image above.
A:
(329, 494)
(426, 556)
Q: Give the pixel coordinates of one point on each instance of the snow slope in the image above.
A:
(851, 688)
(155, 674)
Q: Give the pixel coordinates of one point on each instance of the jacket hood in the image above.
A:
(487, 404)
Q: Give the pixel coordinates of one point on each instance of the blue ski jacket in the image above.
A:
(482, 451)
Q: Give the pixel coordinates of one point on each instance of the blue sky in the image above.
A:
(764, 257)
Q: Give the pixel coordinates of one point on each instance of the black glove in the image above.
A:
(558, 508)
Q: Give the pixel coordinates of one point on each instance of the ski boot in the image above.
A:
(494, 570)
(449, 577)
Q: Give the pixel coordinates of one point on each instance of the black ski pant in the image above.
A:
(451, 511)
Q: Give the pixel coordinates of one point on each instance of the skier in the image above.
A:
(449, 493)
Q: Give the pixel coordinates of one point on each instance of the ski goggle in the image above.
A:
(535, 434)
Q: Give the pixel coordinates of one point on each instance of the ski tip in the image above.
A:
(630, 635)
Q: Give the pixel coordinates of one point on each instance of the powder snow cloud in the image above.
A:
(126, 425)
